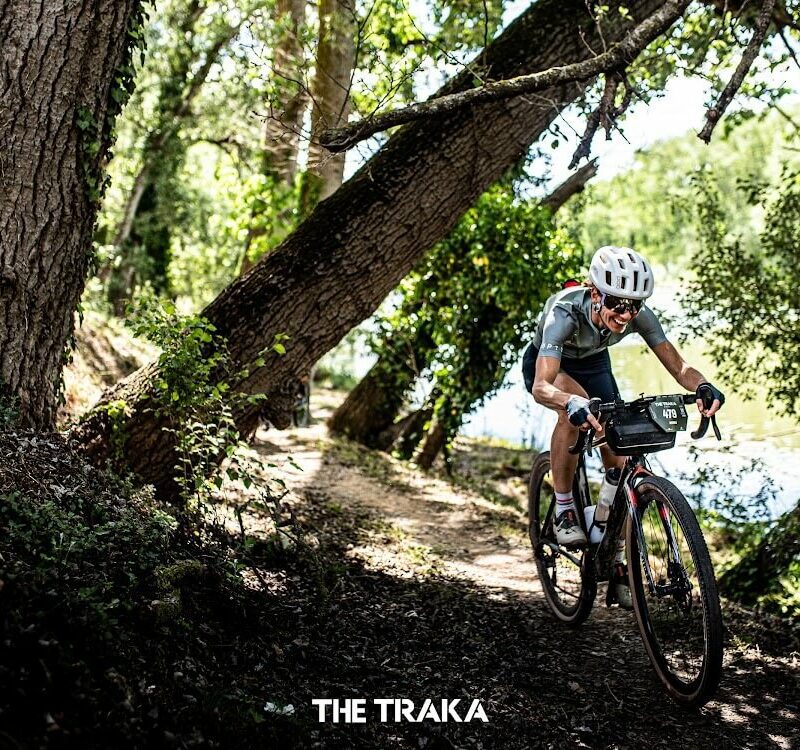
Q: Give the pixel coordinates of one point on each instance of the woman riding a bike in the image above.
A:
(567, 363)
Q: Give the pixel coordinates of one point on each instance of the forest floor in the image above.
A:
(436, 597)
(118, 631)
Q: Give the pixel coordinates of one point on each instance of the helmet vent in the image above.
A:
(621, 264)
(646, 284)
(633, 260)
(608, 278)
(622, 281)
(635, 279)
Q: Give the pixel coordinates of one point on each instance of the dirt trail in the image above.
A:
(426, 524)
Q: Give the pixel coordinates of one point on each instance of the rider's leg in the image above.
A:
(562, 462)
(611, 459)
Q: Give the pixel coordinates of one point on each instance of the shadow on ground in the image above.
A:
(431, 594)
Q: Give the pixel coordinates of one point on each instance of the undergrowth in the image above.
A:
(118, 628)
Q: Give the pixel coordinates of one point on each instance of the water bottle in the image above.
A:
(593, 529)
(596, 516)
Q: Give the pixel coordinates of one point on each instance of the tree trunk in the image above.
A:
(760, 572)
(404, 435)
(336, 58)
(338, 266)
(282, 128)
(370, 409)
(61, 93)
(435, 440)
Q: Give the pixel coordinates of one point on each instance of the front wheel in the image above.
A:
(674, 593)
(567, 576)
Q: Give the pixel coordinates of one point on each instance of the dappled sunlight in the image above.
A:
(418, 530)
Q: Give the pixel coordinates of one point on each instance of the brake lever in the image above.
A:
(702, 428)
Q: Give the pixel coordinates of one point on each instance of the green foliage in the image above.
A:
(96, 137)
(467, 309)
(745, 304)
(651, 205)
(195, 391)
(718, 494)
(744, 300)
(398, 41)
(81, 557)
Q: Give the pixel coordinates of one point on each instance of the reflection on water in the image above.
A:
(747, 427)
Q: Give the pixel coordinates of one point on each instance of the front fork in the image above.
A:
(675, 571)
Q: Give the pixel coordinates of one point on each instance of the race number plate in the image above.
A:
(669, 413)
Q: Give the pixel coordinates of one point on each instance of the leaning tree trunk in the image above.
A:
(338, 266)
(65, 71)
(370, 409)
(373, 406)
(760, 572)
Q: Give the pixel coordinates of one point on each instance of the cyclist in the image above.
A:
(567, 363)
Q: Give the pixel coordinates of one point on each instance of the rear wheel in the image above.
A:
(566, 575)
(674, 593)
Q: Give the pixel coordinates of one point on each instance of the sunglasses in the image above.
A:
(621, 305)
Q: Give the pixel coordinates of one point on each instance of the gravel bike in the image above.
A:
(669, 570)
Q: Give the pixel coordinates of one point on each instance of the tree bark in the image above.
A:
(336, 58)
(435, 440)
(282, 127)
(337, 267)
(617, 56)
(404, 435)
(60, 97)
(369, 410)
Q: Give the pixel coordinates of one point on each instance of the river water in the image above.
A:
(748, 428)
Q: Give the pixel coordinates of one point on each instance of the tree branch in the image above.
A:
(616, 57)
(789, 47)
(715, 113)
(575, 183)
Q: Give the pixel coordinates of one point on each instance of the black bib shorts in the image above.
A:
(593, 373)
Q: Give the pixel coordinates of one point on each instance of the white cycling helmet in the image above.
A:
(621, 272)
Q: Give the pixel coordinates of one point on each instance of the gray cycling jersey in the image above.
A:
(566, 327)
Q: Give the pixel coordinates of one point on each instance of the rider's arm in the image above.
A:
(545, 393)
(685, 374)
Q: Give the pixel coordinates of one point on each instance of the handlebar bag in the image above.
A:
(631, 434)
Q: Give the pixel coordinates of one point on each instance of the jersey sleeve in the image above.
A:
(649, 328)
(558, 326)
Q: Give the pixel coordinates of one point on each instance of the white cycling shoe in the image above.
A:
(568, 531)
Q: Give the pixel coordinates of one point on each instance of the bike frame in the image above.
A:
(624, 507)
